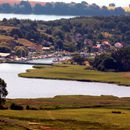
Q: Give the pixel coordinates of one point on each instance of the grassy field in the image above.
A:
(70, 113)
(67, 119)
(67, 102)
(79, 73)
(8, 39)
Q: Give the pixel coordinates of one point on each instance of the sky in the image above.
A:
(98, 2)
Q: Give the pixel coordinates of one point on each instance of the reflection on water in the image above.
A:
(36, 88)
(34, 17)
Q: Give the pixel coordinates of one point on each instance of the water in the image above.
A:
(39, 88)
(34, 17)
(45, 61)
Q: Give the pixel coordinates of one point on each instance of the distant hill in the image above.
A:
(59, 8)
(127, 9)
(12, 2)
(9, 1)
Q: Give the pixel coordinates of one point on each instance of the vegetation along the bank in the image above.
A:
(76, 72)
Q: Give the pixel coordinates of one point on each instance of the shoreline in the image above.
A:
(89, 81)
(75, 73)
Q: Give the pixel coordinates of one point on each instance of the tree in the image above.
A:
(118, 60)
(6, 8)
(3, 92)
(21, 51)
(77, 58)
(122, 56)
(112, 5)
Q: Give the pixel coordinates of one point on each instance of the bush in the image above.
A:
(118, 60)
(105, 62)
(116, 112)
(31, 108)
(77, 58)
(16, 107)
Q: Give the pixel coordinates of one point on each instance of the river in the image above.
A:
(39, 88)
(34, 17)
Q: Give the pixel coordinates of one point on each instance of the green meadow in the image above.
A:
(79, 73)
(67, 119)
(68, 113)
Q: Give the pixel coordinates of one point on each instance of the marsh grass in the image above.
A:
(79, 73)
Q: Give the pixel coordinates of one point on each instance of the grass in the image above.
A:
(65, 102)
(4, 38)
(26, 42)
(8, 39)
(73, 113)
(79, 73)
(68, 119)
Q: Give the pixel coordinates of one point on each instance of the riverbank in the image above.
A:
(72, 102)
(77, 73)
(68, 112)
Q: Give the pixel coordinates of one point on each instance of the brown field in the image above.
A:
(26, 42)
(127, 9)
(8, 40)
(7, 28)
(4, 38)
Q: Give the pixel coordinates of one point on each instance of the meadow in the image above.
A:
(68, 113)
(78, 73)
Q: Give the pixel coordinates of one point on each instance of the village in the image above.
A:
(43, 52)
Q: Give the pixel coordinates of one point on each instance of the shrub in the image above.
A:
(118, 60)
(16, 107)
(116, 112)
(31, 108)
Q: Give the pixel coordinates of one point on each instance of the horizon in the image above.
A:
(105, 2)
(120, 3)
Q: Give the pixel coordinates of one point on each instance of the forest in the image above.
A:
(71, 34)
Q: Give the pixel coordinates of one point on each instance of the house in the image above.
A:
(3, 56)
(46, 48)
(105, 45)
(118, 45)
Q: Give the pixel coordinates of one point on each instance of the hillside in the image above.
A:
(72, 34)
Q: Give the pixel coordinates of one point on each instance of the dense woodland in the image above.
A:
(73, 34)
(61, 8)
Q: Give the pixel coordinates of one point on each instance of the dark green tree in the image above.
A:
(77, 58)
(3, 92)
(122, 56)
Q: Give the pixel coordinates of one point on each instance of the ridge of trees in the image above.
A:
(61, 8)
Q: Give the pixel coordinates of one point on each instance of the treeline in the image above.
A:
(61, 8)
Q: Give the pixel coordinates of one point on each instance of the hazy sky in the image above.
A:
(99, 2)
